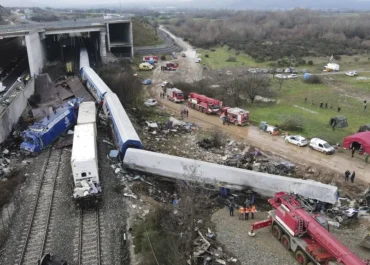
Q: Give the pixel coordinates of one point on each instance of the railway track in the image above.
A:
(89, 237)
(37, 226)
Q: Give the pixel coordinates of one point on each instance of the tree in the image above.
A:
(273, 70)
(356, 59)
(250, 86)
(280, 81)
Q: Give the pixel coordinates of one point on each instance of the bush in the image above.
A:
(163, 58)
(217, 137)
(213, 50)
(314, 79)
(310, 62)
(231, 59)
(34, 100)
(356, 59)
(292, 123)
(337, 57)
(207, 56)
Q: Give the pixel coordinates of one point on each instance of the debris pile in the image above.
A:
(5, 167)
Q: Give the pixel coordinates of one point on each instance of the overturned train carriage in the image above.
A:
(124, 133)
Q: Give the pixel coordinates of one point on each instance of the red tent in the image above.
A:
(357, 139)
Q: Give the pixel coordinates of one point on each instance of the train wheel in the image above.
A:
(285, 241)
(276, 231)
(301, 257)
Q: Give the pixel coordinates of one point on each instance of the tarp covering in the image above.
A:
(362, 138)
(339, 121)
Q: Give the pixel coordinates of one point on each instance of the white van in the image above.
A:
(321, 146)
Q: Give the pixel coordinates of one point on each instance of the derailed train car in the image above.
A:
(124, 133)
(84, 160)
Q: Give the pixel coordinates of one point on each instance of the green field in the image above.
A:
(218, 59)
(290, 101)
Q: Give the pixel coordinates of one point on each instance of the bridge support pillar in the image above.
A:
(36, 52)
(103, 46)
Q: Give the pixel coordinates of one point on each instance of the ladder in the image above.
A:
(300, 226)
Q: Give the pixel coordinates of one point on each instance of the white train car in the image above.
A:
(84, 162)
(94, 84)
(87, 114)
(84, 58)
(124, 133)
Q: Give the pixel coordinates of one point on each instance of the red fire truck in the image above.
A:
(204, 104)
(236, 116)
(170, 66)
(150, 58)
(175, 95)
(304, 233)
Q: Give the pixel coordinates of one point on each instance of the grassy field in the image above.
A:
(144, 34)
(218, 59)
(291, 102)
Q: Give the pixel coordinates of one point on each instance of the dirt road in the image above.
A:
(189, 70)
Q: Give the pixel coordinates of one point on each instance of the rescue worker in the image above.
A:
(246, 212)
(241, 213)
(223, 118)
(231, 209)
(253, 210)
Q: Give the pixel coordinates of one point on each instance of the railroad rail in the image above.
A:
(89, 237)
(37, 229)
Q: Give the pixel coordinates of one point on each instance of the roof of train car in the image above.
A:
(86, 113)
(121, 119)
(84, 58)
(84, 143)
(93, 77)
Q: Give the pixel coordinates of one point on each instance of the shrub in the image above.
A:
(310, 62)
(213, 50)
(337, 57)
(163, 58)
(314, 79)
(231, 59)
(292, 123)
(356, 59)
(34, 100)
(207, 56)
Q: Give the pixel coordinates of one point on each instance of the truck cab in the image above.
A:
(31, 143)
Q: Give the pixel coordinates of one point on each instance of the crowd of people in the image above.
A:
(244, 211)
(348, 175)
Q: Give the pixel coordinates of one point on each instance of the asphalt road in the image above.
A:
(12, 77)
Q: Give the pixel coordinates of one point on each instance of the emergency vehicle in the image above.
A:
(204, 104)
(175, 95)
(236, 116)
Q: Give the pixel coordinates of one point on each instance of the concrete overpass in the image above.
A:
(114, 34)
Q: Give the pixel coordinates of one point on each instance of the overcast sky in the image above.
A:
(232, 4)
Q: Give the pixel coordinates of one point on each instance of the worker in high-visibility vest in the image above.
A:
(246, 212)
(241, 213)
(253, 210)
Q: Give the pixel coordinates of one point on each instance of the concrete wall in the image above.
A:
(9, 117)
(189, 169)
(36, 52)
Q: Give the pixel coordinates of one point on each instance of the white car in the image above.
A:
(353, 73)
(297, 140)
(150, 102)
(292, 76)
(164, 84)
(321, 146)
(280, 76)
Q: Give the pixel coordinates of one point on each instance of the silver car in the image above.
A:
(297, 140)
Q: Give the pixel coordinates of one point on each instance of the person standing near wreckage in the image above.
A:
(231, 209)
(246, 212)
(253, 210)
(241, 213)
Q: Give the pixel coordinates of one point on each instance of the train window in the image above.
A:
(89, 173)
(83, 174)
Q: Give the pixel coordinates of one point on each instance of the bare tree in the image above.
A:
(250, 86)
(280, 81)
(273, 70)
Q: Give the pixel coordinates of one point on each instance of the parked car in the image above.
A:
(198, 60)
(321, 146)
(292, 76)
(296, 139)
(304, 71)
(150, 102)
(280, 76)
(164, 84)
(183, 54)
(353, 73)
(147, 82)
